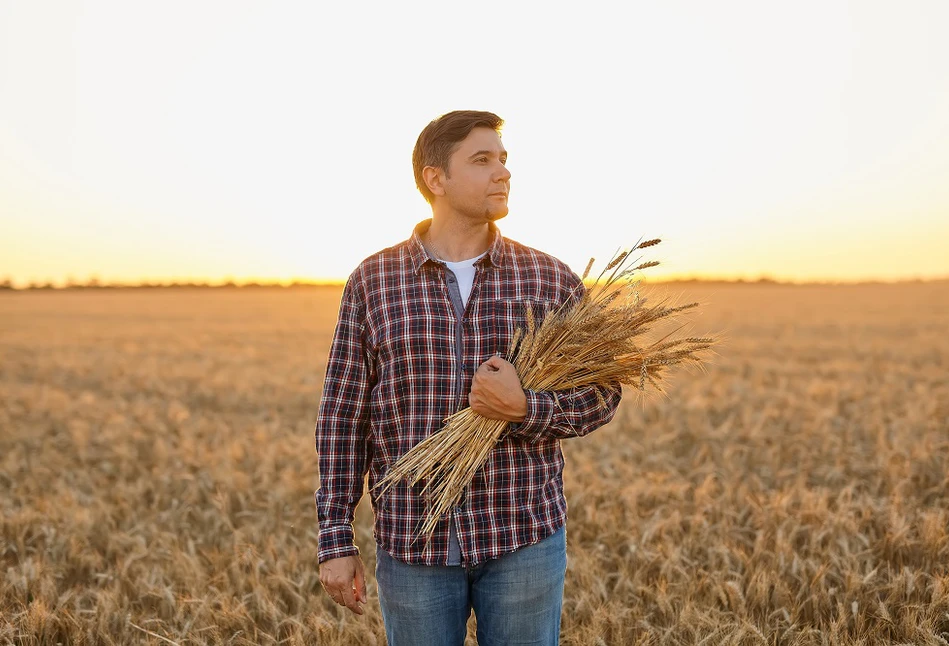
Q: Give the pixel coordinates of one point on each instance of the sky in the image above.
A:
(200, 140)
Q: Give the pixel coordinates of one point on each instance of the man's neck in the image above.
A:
(454, 242)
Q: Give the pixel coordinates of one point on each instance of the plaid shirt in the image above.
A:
(401, 361)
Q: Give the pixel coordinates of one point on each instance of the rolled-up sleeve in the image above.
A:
(566, 413)
(342, 426)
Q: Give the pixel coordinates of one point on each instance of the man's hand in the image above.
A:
(344, 579)
(496, 391)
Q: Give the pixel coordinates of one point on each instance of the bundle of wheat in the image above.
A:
(596, 339)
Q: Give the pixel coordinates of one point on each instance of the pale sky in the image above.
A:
(253, 140)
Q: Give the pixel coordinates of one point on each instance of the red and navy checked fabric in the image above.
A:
(401, 362)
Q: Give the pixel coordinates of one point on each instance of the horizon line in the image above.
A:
(94, 284)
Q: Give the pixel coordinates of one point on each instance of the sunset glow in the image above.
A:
(246, 141)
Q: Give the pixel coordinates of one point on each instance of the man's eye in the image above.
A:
(481, 159)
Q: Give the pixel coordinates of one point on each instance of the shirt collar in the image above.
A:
(420, 256)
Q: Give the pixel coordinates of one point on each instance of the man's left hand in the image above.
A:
(496, 391)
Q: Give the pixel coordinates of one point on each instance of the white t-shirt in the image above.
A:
(464, 271)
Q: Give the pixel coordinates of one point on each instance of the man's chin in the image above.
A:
(494, 216)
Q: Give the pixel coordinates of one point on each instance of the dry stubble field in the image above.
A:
(157, 474)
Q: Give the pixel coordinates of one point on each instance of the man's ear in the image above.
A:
(434, 179)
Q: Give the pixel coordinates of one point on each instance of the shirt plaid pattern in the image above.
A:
(401, 362)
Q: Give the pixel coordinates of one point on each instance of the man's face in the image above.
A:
(478, 183)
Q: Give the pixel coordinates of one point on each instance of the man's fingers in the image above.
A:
(350, 601)
(487, 369)
(334, 591)
(495, 362)
(360, 583)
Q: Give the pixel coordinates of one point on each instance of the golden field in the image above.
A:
(157, 474)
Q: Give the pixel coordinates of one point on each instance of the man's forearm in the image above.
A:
(566, 413)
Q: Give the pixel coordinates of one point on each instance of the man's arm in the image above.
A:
(566, 413)
(342, 427)
(496, 393)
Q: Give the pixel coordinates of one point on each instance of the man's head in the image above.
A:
(439, 139)
(459, 165)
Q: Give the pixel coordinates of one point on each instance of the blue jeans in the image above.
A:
(516, 598)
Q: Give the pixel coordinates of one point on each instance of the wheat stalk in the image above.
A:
(597, 340)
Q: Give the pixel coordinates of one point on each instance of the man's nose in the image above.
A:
(503, 175)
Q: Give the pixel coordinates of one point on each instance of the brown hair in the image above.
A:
(439, 138)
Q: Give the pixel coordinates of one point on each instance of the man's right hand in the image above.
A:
(344, 579)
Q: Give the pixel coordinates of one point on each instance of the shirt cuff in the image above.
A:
(540, 411)
(336, 542)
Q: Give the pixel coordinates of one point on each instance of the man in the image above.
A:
(423, 329)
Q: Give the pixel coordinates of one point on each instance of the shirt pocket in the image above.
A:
(511, 314)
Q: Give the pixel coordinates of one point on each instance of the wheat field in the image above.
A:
(157, 474)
